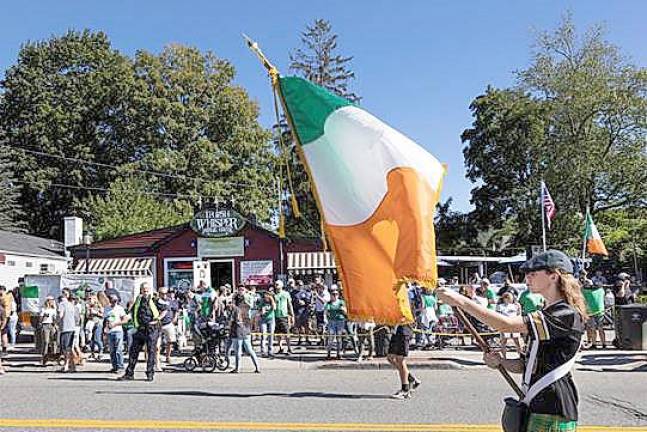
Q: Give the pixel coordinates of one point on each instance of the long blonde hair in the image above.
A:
(572, 292)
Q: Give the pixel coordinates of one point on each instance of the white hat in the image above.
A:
(278, 283)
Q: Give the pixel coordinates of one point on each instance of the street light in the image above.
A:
(87, 240)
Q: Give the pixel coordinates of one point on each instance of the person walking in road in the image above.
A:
(397, 356)
(47, 329)
(554, 334)
(146, 318)
(241, 331)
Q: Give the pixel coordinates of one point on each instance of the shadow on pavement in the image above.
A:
(248, 395)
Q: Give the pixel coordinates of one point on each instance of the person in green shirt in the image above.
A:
(336, 312)
(594, 298)
(283, 314)
(267, 307)
(489, 293)
(530, 302)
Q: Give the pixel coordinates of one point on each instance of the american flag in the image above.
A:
(548, 203)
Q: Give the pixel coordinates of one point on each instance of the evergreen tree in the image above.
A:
(11, 214)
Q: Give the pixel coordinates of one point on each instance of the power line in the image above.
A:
(99, 189)
(116, 167)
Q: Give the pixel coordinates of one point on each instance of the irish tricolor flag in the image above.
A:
(594, 243)
(377, 190)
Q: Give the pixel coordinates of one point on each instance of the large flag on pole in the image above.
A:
(377, 191)
(594, 243)
(548, 203)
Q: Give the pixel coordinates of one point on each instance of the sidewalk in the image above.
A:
(24, 360)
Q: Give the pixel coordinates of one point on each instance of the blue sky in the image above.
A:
(418, 63)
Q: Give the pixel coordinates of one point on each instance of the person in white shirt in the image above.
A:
(116, 317)
(48, 320)
(509, 308)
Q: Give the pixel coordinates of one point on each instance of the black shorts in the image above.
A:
(399, 345)
(303, 319)
(282, 325)
(67, 340)
(321, 319)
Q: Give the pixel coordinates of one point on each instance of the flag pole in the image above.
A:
(486, 349)
(586, 228)
(274, 76)
(543, 215)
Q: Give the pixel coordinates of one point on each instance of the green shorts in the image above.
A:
(550, 423)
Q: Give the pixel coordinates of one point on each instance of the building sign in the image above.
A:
(217, 223)
(258, 272)
(221, 247)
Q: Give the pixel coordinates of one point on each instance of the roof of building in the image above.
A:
(24, 244)
(144, 240)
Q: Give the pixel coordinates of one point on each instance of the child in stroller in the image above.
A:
(209, 338)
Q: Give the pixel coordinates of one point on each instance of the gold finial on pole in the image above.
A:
(271, 69)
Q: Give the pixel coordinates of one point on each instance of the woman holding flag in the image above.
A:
(554, 334)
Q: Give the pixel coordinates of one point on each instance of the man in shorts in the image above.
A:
(168, 321)
(594, 298)
(283, 314)
(397, 354)
(67, 319)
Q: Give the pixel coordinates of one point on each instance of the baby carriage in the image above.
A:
(209, 353)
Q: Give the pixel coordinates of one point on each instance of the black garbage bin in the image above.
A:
(630, 326)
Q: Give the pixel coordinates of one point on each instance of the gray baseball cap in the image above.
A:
(549, 260)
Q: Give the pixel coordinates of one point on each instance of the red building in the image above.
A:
(218, 246)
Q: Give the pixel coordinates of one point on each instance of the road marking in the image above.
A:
(259, 426)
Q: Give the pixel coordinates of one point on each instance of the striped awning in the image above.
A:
(311, 262)
(117, 266)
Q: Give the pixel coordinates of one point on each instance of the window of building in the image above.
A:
(11, 263)
(29, 264)
(180, 274)
(44, 268)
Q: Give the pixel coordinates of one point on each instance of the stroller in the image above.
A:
(209, 353)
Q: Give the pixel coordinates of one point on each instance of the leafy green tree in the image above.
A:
(66, 96)
(316, 60)
(577, 119)
(130, 207)
(195, 125)
(503, 155)
(11, 214)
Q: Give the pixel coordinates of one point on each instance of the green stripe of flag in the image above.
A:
(309, 106)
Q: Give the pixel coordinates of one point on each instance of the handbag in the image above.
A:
(517, 412)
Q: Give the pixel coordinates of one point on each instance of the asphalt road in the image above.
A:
(284, 397)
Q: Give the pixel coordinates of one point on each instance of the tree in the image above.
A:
(194, 124)
(595, 151)
(576, 119)
(65, 96)
(11, 214)
(130, 207)
(317, 61)
(503, 155)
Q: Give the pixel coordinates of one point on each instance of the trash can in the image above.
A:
(631, 325)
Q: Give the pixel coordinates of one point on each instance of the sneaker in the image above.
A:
(414, 384)
(126, 377)
(149, 377)
(401, 395)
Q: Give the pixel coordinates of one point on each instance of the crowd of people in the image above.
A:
(84, 325)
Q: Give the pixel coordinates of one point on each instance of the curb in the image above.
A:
(434, 365)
